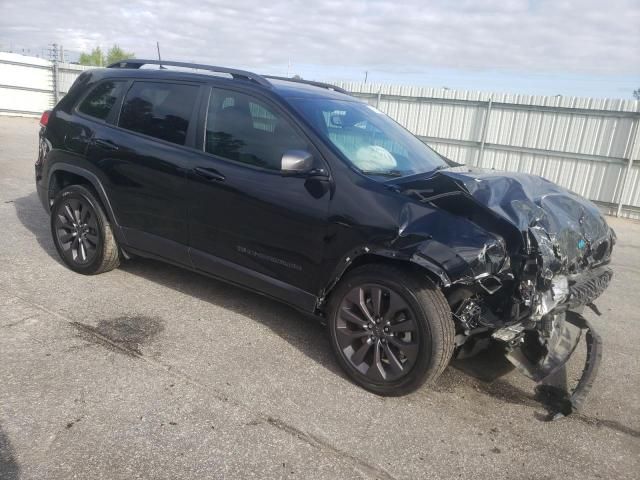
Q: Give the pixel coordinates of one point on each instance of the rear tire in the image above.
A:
(82, 233)
(391, 329)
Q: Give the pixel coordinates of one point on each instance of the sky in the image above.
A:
(544, 47)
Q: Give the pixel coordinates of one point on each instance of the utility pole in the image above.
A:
(366, 74)
(56, 87)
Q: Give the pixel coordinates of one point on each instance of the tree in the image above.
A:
(116, 54)
(98, 59)
(95, 58)
(636, 94)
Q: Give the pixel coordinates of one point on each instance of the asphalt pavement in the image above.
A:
(150, 371)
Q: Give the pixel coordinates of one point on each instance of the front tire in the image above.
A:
(82, 233)
(391, 329)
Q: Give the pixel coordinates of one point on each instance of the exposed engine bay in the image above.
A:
(531, 257)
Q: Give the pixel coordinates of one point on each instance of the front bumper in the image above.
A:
(543, 356)
(551, 368)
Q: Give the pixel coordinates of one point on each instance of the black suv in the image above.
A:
(297, 190)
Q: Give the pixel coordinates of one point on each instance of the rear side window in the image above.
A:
(160, 110)
(100, 101)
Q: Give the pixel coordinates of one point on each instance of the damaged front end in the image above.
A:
(538, 257)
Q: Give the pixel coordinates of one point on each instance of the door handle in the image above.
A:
(210, 174)
(106, 144)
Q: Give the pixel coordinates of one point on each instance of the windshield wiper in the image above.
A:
(397, 173)
(383, 173)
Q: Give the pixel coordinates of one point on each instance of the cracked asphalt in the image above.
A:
(150, 371)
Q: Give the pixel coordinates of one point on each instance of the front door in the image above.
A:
(244, 211)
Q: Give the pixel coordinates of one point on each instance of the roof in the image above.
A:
(282, 86)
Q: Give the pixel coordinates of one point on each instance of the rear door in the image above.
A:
(243, 210)
(145, 159)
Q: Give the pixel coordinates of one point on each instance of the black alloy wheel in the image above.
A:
(377, 332)
(82, 233)
(390, 327)
(76, 230)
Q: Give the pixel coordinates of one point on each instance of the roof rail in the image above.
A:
(254, 77)
(328, 86)
(137, 63)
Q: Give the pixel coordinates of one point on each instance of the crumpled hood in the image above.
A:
(568, 230)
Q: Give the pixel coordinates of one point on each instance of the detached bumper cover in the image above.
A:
(561, 346)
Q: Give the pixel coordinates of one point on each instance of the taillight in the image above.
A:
(44, 119)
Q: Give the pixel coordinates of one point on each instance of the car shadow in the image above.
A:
(300, 330)
(9, 468)
(31, 214)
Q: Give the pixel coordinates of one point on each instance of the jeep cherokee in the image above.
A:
(298, 191)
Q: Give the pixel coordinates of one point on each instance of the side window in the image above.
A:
(160, 110)
(243, 129)
(101, 99)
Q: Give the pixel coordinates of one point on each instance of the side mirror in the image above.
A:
(296, 161)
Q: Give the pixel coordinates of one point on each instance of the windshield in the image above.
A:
(371, 141)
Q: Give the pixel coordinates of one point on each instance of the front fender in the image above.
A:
(465, 258)
(418, 256)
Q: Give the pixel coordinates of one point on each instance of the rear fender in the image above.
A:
(98, 187)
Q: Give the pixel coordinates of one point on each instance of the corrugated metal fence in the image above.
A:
(27, 83)
(591, 146)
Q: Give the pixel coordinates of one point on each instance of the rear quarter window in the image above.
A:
(158, 109)
(101, 100)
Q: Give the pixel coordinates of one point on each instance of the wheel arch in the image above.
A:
(418, 264)
(62, 175)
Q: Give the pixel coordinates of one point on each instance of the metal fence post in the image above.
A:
(55, 71)
(485, 125)
(633, 135)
